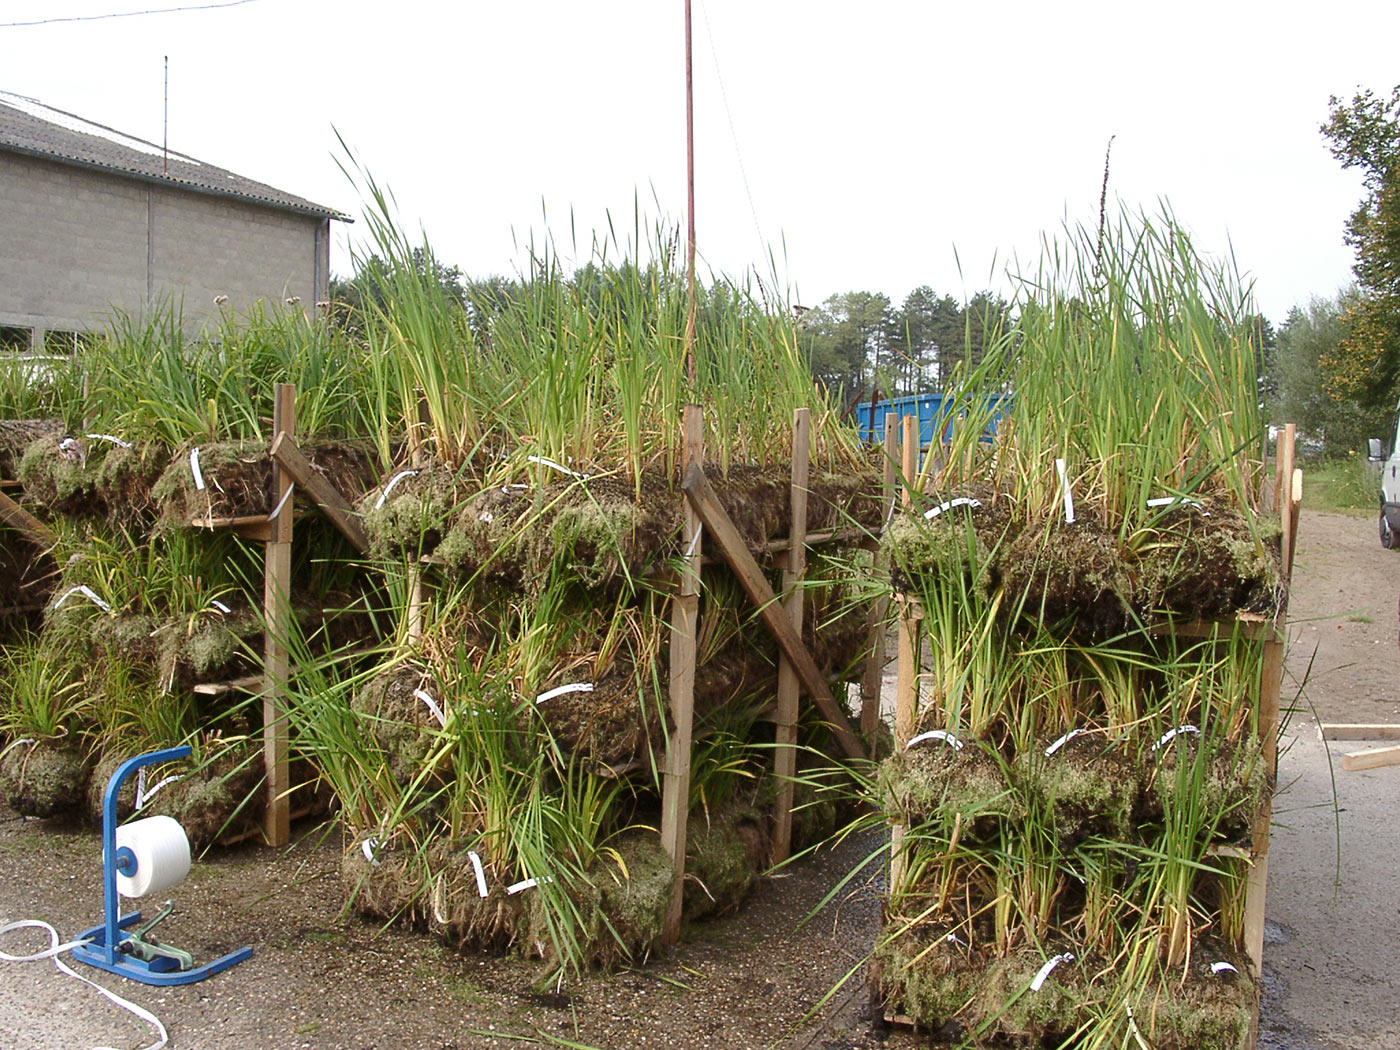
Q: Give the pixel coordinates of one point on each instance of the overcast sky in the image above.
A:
(867, 145)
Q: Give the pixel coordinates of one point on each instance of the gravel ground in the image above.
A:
(760, 977)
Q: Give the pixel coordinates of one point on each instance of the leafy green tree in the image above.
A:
(1307, 341)
(929, 329)
(1365, 135)
(849, 341)
(352, 295)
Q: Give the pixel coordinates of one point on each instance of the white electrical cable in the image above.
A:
(56, 949)
(390, 487)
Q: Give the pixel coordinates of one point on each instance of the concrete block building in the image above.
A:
(92, 219)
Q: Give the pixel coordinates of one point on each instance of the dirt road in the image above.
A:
(749, 980)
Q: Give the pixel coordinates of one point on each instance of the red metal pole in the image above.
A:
(690, 204)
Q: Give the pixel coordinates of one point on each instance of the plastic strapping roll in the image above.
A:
(162, 855)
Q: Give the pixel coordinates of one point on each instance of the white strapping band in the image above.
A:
(960, 501)
(936, 734)
(220, 606)
(1063, 741)
(56, 949)
(1046, 970)
(390, 487)
(1069, 496)
(422, 694)
(695, 541)
(557, 466)
(143, 796)
(480, 873)
(86, 592)
(1172, 734)
(108, 437)
(1222, 967)
(370, 847)
(526, 884)
(281, 503)
(194, 469)
(560, 690)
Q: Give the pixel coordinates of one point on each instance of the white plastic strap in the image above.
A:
(370, 847)
(220, 606)
(194, 469)
(390, 487)
(108, 437)
(695, 541)
(1172, 734)
(1069, 496)
(1063, 741)
(952, 938)
(573, 687)
(1222, 967)
(422, 694)
(1046, 970)
(936, 734)
(480, 873)
(281, 503)
(17, 743)
(961, 501)
(557, 466)
(53, 952)
(143, 796)
(87, 592)
(526, 884)
(1167, 501)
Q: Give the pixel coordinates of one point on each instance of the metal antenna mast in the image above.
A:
(690, 205)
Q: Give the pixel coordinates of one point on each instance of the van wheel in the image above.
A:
(1389, 540)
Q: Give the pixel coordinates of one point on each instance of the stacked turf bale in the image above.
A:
(526, 725)
(511, 731)
(1083, 778)
(136, 608)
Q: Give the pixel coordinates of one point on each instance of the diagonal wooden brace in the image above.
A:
(12, 514)
(322, 492)
(702, 497)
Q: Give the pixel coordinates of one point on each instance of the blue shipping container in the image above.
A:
(935, 413)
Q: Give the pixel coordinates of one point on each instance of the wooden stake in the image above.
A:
(785, 754)
(875, 626)
(685, 608)
(721, 529)
(415, 605)
(277, 611)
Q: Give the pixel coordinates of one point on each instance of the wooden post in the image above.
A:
(1270, 686)
(875, 626)
(414, 628)
(785, 754)
(685, 608)
(277, 610)
(906, 697)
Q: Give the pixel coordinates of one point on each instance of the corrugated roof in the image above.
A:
(30, 127)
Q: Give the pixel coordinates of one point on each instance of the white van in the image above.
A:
(1389, 459)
